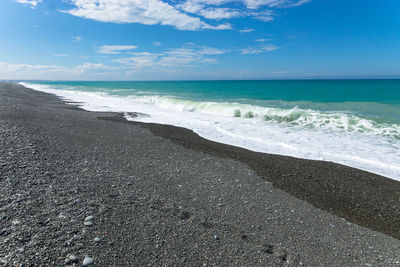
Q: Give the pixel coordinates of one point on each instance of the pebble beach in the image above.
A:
(81, 188)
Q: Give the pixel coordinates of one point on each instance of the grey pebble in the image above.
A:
(88, 223)
(2, 232)
(89, 218)
(88, 261)
(216, 237)
(97, 239)
(73, 258)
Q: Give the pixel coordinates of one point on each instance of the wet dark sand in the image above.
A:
(162, 195)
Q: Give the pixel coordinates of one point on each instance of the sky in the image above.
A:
(198, 39)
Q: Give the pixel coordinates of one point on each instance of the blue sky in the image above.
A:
(199, 39)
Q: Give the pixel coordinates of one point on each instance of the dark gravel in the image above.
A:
(179, 200)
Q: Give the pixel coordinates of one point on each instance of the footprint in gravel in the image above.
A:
(185, 215)
(268, 248)
(207, 224)
(281, 254)
(278, 252)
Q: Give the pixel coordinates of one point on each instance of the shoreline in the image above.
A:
(69, 138)
(339, 189)
(345, 134)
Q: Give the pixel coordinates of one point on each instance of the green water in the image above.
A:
(378, 100)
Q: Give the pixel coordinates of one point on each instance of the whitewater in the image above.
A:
(275, 127)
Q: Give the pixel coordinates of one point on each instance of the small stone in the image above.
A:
(89, 218)
(73, 258)
(97, 239)
(216, 237)
(3, 232)
(4, 262)
(78, 201)
(88, 223)
(67, 261)
(88, 261)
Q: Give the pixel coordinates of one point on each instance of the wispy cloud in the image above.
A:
(29, 71)
(90, 67)
(22, 69)
(254, 4)
(144, 54)
(61, 55)
(211, 51)
(76, 39)
(200, 8)
(258, 50)
(246, 30)
(262, 40)
(32, 3)
(187, 56)
(115, 49)
(209, 60)
(157, 43)
(265, 15)
(218, 9)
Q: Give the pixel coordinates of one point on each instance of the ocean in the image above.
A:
(351, 122)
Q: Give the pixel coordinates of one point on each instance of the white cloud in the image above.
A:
(157, 43)
(144, 54)
(225, 26)
(254, 4)
(209, 60)
(33, 3)
(28, 71)
(61, 55)
(186, 56)
(27, 68)
(246, 30)
(265, 15)
(217, 9)
(219, 13)
(211, 51)
(76, 39)
(115, 49)
(258, 50)
(149, 12)
(263, 40)
(199, 8)
(87, 67)
(139, 61)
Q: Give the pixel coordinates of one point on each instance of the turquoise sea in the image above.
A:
(352, 122)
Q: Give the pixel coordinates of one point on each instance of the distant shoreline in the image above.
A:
(197, 80)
